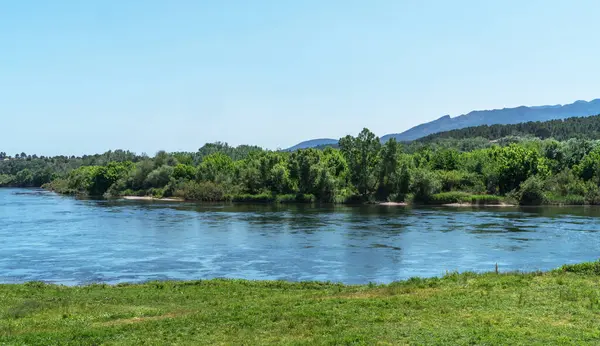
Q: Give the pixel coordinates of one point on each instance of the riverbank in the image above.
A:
(558, 307)
(150, 198)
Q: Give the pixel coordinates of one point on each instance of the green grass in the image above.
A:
(558, 307)
(464, 197)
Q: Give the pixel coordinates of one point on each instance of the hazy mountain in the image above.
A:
(476, 118)
(499, 116)
(313, 143)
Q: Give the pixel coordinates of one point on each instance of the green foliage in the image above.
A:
(589, 167)
(450, 197)
(532, 192)
(216, 167)
(462, 181)
(184, 171)
(299, 198)
(259, 198)
(159, 177)
(361, 170)
(204, 191)
(587, 268)
(424, 185)
(6, 180)
(24, 178)
(514, 164)
(445, 159)
(362, 155)
(486, 200)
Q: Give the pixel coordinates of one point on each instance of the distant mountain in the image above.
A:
(499, 116)
(313, 143)
(587, 127)
(476, 118)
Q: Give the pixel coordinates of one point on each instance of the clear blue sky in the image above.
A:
(87, 76)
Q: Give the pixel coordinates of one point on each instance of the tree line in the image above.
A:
(362, 169)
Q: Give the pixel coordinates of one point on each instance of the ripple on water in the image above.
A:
(64, 240)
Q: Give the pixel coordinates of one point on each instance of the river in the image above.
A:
(59, 239)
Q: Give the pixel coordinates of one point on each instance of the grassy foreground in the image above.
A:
(559, 307)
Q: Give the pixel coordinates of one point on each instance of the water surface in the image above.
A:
(60, 239)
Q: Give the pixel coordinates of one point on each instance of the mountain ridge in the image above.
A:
(504, 116)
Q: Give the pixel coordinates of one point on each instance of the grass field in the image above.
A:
(559, 307)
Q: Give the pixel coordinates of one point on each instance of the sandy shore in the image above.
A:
(396, 204)
(459, 205)
(150, 198)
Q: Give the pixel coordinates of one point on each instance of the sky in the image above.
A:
(83, 77)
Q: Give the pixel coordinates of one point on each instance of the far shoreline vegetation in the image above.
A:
(486, 165)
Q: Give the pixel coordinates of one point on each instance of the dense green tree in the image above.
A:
(184, 171)
(388, 167)
(362, 155)
(159, 177)
(24, 178)
(445, 159)
(515, 164)
(216, 167)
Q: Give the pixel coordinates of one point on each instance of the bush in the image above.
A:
(424, 184)
(592, 194)
(345, 196)
(156, 192)
(463, 197)
(461, 181)
(587, 268)
(6, 180)
(60, 186)
(204, 191)
(159, 177)
(259, 198)
(486, 200)
(574, 200)
(531, 192)
(450, 197)
(298, 198)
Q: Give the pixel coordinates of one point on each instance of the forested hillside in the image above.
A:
(517, 115)
(500, 116)
(564, 129)
(448, 170)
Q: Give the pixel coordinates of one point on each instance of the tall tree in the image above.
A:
(362, 155)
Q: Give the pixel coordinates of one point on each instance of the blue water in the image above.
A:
(64, 240)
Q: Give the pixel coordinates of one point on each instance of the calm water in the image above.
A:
(63, 240)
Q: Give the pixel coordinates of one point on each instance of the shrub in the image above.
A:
(592, 194)
(6, 180)
(450, 197)
(531, 192)
(574, 200)
(463, 197)
(159, 177)
(345, 195)
(450, 180)
(298, 198)
(486, 200)
(587, 268)
(259, 198)
(424, 184)
(156, 192)
(60, 186)
(204, 191)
